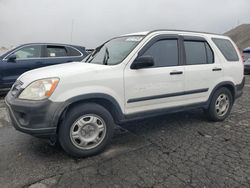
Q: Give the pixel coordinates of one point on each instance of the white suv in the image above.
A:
(128, 77)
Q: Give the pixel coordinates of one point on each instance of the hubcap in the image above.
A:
(88, 131)
(222, 104)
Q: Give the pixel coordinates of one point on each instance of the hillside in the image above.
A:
(240, 35)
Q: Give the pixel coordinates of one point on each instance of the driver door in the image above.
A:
(27, 58)
(156, 87)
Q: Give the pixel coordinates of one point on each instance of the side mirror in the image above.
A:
(12, 58)
(143, 62)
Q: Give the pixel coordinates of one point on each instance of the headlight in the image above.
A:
(40, 89)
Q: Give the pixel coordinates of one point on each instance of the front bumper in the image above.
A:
(37, 118)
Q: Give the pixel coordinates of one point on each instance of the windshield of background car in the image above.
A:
(114, 51)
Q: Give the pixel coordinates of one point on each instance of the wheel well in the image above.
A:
(112, 108)
(230, 88)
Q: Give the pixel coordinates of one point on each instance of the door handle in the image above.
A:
(176, 72)
(217, 69)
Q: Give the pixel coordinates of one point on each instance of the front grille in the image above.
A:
(16, 88)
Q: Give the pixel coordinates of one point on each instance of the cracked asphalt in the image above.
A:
(175, 150)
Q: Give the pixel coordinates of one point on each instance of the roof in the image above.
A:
(49, 43)
(171, 31)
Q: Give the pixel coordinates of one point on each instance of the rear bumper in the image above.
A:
(37, 118)
(239, 89)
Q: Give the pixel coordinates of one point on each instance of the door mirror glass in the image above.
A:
(12, 58)
(143, 62)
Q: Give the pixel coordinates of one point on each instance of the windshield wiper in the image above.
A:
(106, 56)
(91, 56)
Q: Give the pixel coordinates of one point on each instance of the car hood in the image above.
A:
(62, 71)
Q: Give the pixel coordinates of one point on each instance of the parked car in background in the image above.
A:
(129, 77)
(247, 66)
(35, 55)
(246, 54)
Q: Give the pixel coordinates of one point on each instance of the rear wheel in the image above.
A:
(86, 130)
(220, 105)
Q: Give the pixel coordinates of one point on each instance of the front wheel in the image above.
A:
(86, 130)
(220, 105)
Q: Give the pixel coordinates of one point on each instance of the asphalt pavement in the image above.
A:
(176, 150)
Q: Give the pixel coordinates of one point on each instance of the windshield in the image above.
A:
(114, 51)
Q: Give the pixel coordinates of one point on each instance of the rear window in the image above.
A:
(227, 49)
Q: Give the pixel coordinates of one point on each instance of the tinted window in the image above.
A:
(164, 52)
(73, 52)
(29, 52)
(198, 52)
(56, 51)
(227, 49)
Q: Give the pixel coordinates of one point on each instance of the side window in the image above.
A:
(56, 51)
(198, 52)
(73, 52)
(164, 52)
(227, 49)
(28, 52)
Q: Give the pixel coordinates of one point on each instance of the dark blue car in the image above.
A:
(35, 55)
(246, 54)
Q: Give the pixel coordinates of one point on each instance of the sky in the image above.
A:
(90, 23)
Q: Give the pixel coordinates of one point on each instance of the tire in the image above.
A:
(217, 112)
(86, 130)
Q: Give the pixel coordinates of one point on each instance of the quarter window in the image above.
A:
(73, 52)
(227, 49)
(198, 52)
(56, 51)
(164, 52)
(28, 52)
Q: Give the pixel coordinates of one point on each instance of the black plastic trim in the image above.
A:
(223, 84)
(92, 98)
(217, 69)
(239, 88)
(194, 38)
(14, 108)
(153, 113)
(167, 95)
(177, 72)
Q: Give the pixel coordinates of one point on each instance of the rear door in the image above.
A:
(202, 70)
(27, 58)
(232, 64)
